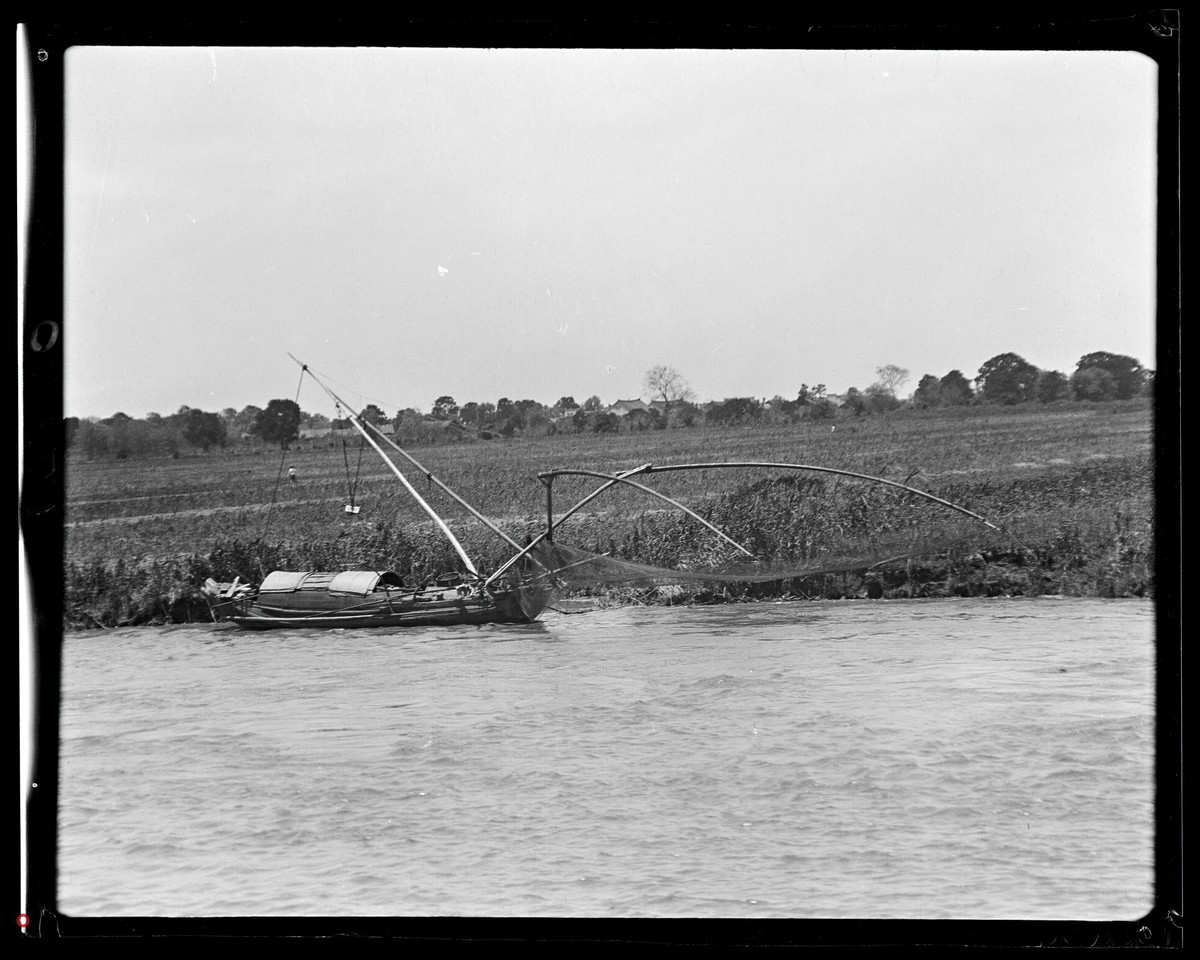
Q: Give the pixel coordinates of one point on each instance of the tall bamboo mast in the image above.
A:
(359, 425)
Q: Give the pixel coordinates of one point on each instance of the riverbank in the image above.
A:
(142, 537)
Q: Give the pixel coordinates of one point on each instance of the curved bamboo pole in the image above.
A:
(555, 523)
(619, 478)
(551, 474)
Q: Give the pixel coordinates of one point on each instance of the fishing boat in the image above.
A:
(518, 592)
(370, 598)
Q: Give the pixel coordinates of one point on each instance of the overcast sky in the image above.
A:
(539, 223)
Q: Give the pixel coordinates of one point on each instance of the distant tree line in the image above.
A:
(1005, 379)
(1009, 378)
(122, 436)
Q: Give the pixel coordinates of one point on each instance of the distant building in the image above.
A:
(344, 428)
(623, 408)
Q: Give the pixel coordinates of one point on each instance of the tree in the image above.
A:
(1052, 385)
(684, 414)
(410, 425)
(820, 409)
(880, 399)
(508, 419)
(120, 433)
(781, 410)
(1094, 383)
(928, 392)
(592, 404)
(602, 422)
(890, 379)
(642, 420)
(955, 389)
(513, 418)
(665, 383)
(92, 438)
(373, 415)
(203, 430)
(535, 419)
(245, 420)
(855, 401)
(1007, 378)
(476, 414)
(1128, 375)
(735, 410)
(566, 405)
(444, 408)
(278, 423)
(469, 412)
(595, 421)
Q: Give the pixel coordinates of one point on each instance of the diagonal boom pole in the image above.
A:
(359, 426)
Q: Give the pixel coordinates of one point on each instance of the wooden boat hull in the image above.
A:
(501, 608)
(315, 601)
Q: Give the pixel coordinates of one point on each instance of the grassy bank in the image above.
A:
(1073, 486)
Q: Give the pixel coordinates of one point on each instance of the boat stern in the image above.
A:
(226, 600)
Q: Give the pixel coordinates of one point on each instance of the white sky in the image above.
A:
(539, 223)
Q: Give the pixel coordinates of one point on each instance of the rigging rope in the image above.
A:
(352, 484)
(278, 479)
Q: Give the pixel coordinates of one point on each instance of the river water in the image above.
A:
(974, 759)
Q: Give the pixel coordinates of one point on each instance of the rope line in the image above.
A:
(275, 493)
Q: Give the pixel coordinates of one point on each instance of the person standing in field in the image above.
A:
(292, 473)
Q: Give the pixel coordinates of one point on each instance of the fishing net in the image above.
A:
(784, 528)
(573, 568)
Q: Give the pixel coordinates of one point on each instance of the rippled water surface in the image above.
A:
(899, 759)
